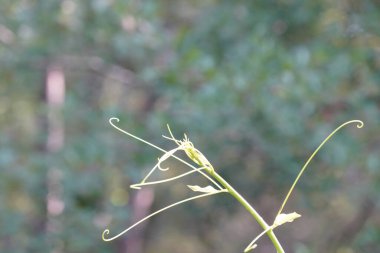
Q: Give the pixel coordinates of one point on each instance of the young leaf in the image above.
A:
(207, 189)
(285, 217)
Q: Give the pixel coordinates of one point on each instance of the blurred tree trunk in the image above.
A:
(54, 98)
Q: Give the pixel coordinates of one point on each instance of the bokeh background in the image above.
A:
(256, 85)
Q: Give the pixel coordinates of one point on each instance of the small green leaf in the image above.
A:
(207, 189)
(285, 217)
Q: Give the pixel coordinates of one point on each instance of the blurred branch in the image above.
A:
(76, 63)
(101, 68)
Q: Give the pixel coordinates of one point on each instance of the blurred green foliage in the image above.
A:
(256, 85)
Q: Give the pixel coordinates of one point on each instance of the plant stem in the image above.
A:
(250, 209)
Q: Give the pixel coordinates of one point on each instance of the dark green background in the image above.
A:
(256, 85)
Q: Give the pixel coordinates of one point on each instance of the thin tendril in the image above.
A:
(162, 150)
(107, 231)
(359, 125)
(172, 136)
(158, 165)
(138, 186)
(250, 245)
(133, 136)
(166, 156)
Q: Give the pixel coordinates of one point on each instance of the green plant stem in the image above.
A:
(249, 208)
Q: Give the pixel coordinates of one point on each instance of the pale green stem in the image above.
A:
(250, 209)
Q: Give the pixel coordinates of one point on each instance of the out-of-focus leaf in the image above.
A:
(285, 217)
(207, 189)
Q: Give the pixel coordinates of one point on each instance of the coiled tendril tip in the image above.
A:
(113, 119)
(105, 232)
(360, 124)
